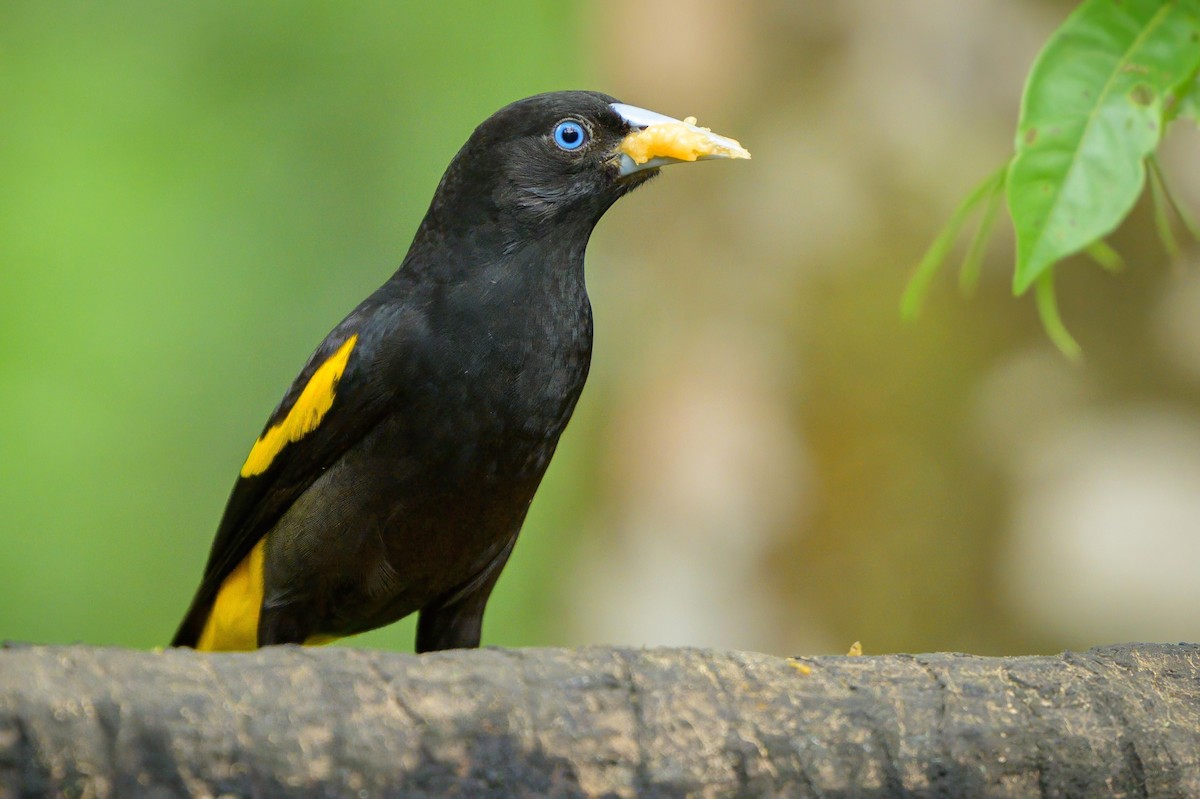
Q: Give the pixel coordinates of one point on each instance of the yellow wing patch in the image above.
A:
(310, 407)
(233, 621)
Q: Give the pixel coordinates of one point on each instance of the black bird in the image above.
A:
(396, 472)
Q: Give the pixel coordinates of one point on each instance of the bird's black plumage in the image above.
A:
(463, 370)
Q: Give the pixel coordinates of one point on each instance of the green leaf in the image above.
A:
(935, 256)
(1093, 109)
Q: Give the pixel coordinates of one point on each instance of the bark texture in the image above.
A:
(1115, 721)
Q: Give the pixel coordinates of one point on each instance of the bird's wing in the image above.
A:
(331, 405)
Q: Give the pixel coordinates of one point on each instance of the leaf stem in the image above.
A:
(1109, 259)
(1162, 222)
(1047, 305)
(968, 274)
(935, 256)
(1188, 220)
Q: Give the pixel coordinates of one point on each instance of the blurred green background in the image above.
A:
(765, 456)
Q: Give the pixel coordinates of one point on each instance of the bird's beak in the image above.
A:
(658, 140)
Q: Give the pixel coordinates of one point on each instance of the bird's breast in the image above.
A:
(501, 379)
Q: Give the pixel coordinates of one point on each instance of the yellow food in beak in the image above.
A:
(679, 141)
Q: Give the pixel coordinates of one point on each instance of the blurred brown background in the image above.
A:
(765, 457)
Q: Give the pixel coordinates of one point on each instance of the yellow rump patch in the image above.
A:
(233, 621)
(232, 624)
(310, 407)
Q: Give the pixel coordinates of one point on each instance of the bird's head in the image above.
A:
(562, 159)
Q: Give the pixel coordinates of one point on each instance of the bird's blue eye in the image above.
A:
(569, 135)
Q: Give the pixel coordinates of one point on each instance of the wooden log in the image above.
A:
(87, 722)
